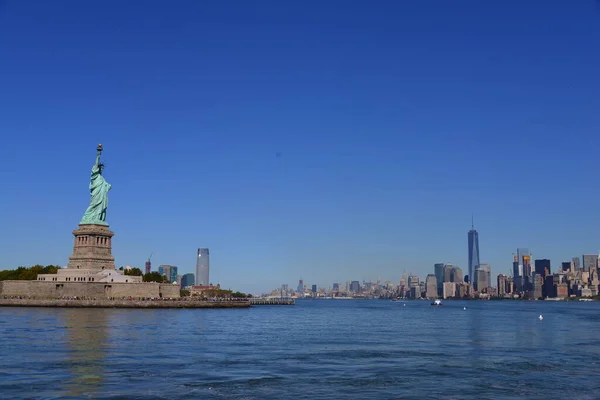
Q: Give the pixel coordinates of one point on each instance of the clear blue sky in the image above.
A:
(323, 140)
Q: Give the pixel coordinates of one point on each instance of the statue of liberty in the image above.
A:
(96, 211)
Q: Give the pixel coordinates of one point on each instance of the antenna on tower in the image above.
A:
(472, 221)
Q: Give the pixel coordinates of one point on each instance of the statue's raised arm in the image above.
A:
(96, 211)
(98, 154)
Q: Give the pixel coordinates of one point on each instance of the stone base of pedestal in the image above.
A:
(92, 248)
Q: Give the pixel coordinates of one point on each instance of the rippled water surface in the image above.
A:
(363, 349)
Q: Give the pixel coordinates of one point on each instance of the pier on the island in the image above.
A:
(274, 301)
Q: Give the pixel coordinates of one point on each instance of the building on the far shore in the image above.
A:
(448, 290)
(170, 271)
(431, 291)
(187, 280)
(202, 267)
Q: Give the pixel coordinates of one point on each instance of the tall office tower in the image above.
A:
(448, 273)
(482, 277)
(488, 274)
(501, 285)
(576, 263)
(515, 271)
(431, 287)
(336, 287)
(566, 266)
(187, 280)
(439, 271)
(300, 286)
(542, 267)
(170, 271)
(473, 251)
(457, 275)
(589, 261)
(148, 266)
(404, 279)
(524, 259)
(202, 267)
(355, 287)
(314, 289)
(413, 280)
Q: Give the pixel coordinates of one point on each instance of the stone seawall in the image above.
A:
(103, 303)
(99, 290)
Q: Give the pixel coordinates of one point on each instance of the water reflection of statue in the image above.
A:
(96, 211)
(86, 339)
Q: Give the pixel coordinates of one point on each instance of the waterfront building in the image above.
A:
(473, 239)
(170, 271)
(300, 289)
(462, 290)
(549, 287)
(488, 271)
(538, 282)
(336, 287)
(413, 281)
(438, 270)
(355, 287)
(314, 290)
(448, 290)
(562, 290)
(457, 275)
(482, 277)
(589, 261)
(202, 267)
(431, 286)
(187, 280)
(501, 285)
(415, 292)
(524, 259)
(542, 267)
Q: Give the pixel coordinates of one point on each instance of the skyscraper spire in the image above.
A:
(472, 221)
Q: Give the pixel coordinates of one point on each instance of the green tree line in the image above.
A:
(132, 272)
(27, 274)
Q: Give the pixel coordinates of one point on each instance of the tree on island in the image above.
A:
(154, 277)
(133, 272)
(27, 274)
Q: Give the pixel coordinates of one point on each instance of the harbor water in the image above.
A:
(316, 349)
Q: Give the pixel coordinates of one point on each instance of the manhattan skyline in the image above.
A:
(314, 141)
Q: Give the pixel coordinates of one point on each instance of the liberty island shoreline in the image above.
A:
(181, 302)
(108, 303)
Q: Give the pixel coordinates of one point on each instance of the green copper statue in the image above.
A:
(96, 212)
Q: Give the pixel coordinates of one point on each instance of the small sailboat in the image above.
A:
(540, 317)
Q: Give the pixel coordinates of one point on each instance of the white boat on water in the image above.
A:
(437, 302)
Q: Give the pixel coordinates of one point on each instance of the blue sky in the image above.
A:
(327, 141)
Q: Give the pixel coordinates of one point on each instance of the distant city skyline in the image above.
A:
(303, 141)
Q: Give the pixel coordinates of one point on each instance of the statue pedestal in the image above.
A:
(92, 248)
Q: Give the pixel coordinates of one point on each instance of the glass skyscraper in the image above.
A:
(202, 267)
(170, 271)
(187, 280)
(473, 252)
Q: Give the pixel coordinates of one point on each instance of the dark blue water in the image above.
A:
(365, 349)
